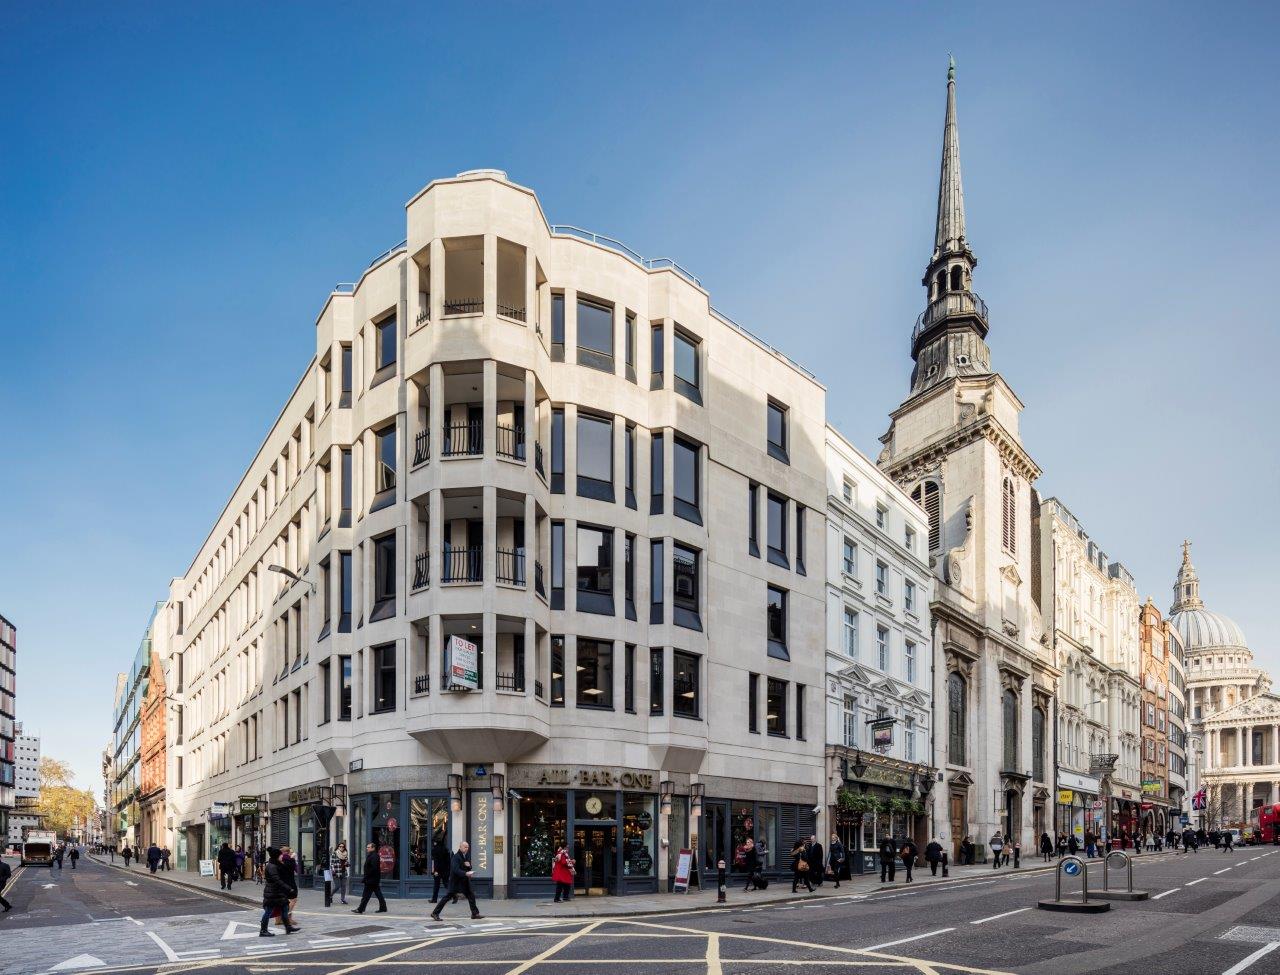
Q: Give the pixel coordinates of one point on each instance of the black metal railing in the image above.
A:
(537, 688)
(422, 447)
(422, 684)
(510, 568)
(421, 569)
(510, 441)
(953, 303)
(511, 682)
(538, 586)
(511, 311)
(424, 307)
(463, 439)
(537, 462)
(463, 306)
(463, 565)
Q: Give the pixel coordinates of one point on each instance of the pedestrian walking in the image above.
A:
(276, 892)
(226, 864)
(815, 854)
(239, 862)
(372, 880)
(126, 854)
(5, 872)
(968, 851)
(800, 869)
(260, 864)
(933, 856)
(289, 871)
(75, 855)
(1062, 844)
(58, 854)
(440, 861)
(1227, 840)
(460, 882)
(1046, 847)
(164, 858)
(1073, 844)
(888, 858)
(562, 873)
(997, 849)
(837, 860)
(340, 867)
(908, 853)
(111, 850)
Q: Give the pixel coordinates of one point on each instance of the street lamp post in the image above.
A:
(291, 575)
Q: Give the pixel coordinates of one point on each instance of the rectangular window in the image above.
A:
(595, 570)
(344, 592)
(557, 327)
(594, 674)
(882, 579)
(595, 457)
(753, 703)
(776, 617)
(851, 632)
(595, 335)
(847, 491)
(657, 681)
(882, 516)
(557, 671)
(344, 688)
(326, 692)
(909, 654)
(800, 539)
(557, 565)
(344, 519)
(776, 526)
(753, 519)
(629, 574)
(656, 366)
(656, 474)
(685, 699)
(776, 432)
(629, 465)
(629, 678)
(909, 596)
(385, 458)
(557, 450)
(909, 734)
(685, 461)
(850, 722)
(800, 712)
(344, 396)
(386, 330)
(384, 577)
(850, 557)
(631, 345)
(684, 567)
(384, 678)
(655, 581)
(688, 370)
(909, 539)
(775, 710)
(882, 648)
(326, 598)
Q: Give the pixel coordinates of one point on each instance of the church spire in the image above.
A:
(949, 238)
(1186, 590)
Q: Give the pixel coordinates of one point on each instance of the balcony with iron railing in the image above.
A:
(537, 462)
(510, 567)
(510, 441)
(953, 304)
(462, 565)
(421, 447)
(510, 311)
(422, 684)
(424, 307)
(463, 306)
(465, 439)
(539, 586)
(511, 682)
(421, 570)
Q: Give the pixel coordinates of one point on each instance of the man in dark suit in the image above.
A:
(816, 856)
(459, 882)
(372, 880)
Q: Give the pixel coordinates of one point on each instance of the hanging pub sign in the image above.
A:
(882, 733)
(462, 664)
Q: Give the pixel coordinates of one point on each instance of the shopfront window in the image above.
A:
(677, 832)
(538, 826)
(639, 834)
(595, 805)
(428, 825)
(767, 838)
(742, 822)
(386, 833)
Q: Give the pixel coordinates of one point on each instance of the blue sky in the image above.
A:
(180, 186)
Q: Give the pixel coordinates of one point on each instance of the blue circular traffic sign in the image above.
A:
(1071, 868)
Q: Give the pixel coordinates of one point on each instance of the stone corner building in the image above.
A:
(954, 446)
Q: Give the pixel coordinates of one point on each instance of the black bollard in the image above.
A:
(720, 898)
(945, 872)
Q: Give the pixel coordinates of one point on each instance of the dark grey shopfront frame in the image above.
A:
(409, 884)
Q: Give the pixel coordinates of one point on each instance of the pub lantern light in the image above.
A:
(455, 792)
(498, 782)
(858, 768)
(696, 792)
(666, 788)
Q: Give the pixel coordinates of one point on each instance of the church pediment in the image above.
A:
(916, 698)
(1261, 706)
(856, 674)
(1010, 572)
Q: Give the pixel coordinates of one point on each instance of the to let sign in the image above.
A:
(464, 664)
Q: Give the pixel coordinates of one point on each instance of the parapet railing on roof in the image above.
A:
(651, 263)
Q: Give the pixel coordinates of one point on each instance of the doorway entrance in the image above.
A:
(715, 838)
(594, 850)
(959, 820)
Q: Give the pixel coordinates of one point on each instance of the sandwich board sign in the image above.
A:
(684, 863)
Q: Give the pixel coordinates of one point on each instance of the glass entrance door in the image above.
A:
(715, 839)
(594, 850)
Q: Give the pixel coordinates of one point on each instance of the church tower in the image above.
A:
(954, 446)
(1186, 589)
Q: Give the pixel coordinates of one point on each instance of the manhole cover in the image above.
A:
(352, 932)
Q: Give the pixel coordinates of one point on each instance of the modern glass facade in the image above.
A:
(8, 714)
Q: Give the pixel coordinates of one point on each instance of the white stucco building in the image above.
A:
(879, 649)
(533, 553)
(26, 784)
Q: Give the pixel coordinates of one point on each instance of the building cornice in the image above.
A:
(910, 466)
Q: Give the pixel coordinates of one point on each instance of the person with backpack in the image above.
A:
(888, 858)
(933, 856)
(908, 853)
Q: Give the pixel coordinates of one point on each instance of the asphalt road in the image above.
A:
(1210, 912)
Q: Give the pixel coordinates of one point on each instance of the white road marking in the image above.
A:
(1223, 870)
(231, 932)
(1242, 863)
(487, 924)
(130, 883)
(77, 963)
(134, 920)
(194, 952)
(47, 886)
(1192, 883)
(903, 941)
(1166, 893)
(996, 917)
(169, 953)
(328, 942)
(1244, 963)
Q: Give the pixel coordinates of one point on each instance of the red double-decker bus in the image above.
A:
(1268, 826)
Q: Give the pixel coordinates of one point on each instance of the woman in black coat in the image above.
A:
(800, 869)
(440, 864)
(277, 889)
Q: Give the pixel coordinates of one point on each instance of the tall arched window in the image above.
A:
(941, 282)
(928, 495)
(956, 694)
(1009, 710)
(1037, 744)
(1008, 535)
(957, 279)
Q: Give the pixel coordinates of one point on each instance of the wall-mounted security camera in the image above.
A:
(514, 795)
(817, 810)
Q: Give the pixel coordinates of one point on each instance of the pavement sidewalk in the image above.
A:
(312, 901)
